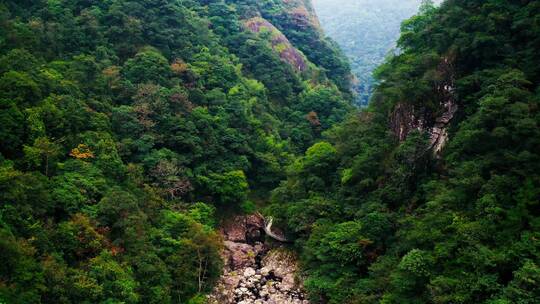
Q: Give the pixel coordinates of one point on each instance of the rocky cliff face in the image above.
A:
(280, 44)
(407, 118)
(255, 271)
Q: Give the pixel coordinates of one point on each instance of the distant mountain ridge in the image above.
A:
(366, 30)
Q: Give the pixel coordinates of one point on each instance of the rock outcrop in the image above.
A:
(407, 118)
(254, 270)
(303, 13)
(280, 44)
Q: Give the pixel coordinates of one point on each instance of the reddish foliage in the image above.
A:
(313, 119)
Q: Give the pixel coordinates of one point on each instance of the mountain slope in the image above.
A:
(129, 126)
(431, 194)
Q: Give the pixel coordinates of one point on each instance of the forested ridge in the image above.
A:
(129, 128)
(431, 195)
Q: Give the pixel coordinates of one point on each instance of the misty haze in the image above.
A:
(366, 30)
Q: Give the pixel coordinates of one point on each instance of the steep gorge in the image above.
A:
(139, 138)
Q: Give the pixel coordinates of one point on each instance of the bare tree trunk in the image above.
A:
(200, 270)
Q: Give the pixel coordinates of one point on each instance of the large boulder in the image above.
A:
(239, 255)
(243, 228)
(235, 230)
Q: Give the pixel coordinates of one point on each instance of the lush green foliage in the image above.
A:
(379, 220)
(125, 125)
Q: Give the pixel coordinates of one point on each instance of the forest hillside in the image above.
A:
(431, 194)
(126, 124)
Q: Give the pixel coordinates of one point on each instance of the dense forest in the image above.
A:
(126, 124)
(130, 128)
(431, 195)
(367, 31)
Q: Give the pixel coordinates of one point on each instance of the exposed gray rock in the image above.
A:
(249, 272)
(407, 118)
(253, 272)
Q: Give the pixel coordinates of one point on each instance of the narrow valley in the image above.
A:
(215, 152)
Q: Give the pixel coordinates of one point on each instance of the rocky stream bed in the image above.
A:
(256, 270)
